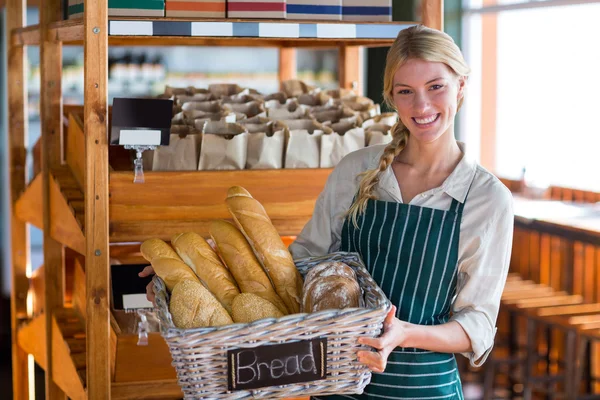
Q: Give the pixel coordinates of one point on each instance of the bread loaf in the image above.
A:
(193, 306)
(248, 307)
(166, 263)
(329, 268)
(252, 219)
(195, 252)
(330, 292)
(242, 263)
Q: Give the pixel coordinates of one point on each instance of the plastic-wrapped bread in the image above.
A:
(252, 219)
(195, 252)
(242, 263)
(193, 306)
(248, 307)
(166, 263)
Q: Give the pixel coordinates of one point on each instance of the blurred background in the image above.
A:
(529, 112)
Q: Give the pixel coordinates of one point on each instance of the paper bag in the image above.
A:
(333, 114)
(250, 109)
(196, 97)
(295, 87)
(206, 106)
(345, 138)
(290, 110)
(281, 97)
(173, 91)
(224, 146)
(316, 99)
(303, 143)
(265, 146)
(340, 93)
(182, 152)
(220, 90)
(378, 134)
(385, 118)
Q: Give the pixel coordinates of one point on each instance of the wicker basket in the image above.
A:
(200, 355)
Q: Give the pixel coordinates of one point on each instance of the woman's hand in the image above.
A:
(149, 287)
(394, 334)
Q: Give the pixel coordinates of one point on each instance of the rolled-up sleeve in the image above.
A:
(481, 277)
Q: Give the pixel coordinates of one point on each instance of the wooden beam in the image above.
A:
(96, 199)
(64, 227)
(52, 150)
(75, 154)
(349, 66)
(432, 14)
(287, 63)
(167, 389)
(17, 136)
(65, 375)
(29, 208)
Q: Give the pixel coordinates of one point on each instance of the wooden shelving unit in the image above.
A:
(91, 214)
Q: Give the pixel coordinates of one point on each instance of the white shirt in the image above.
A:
(485, 240)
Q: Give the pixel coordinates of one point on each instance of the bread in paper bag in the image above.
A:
(182, 152)
(303, 143)
(345, 138)
(223, 147)
(220, 90)
(378, 134)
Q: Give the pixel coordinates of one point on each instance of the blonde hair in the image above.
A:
(416, 42)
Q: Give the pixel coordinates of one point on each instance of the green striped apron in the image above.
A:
(412, 253)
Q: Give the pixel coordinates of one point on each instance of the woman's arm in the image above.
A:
(444, 338)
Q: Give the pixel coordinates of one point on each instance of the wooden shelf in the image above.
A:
(174, 202)
(223, 32)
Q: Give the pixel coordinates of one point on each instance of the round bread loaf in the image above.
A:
(330, 292)
(329, 268)
(248, 307)
(193, 306)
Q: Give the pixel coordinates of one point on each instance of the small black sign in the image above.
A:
(274, 365)
(141, 121)
(128, 289)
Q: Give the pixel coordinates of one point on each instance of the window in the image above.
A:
(547, 90)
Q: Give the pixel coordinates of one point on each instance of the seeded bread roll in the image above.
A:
(195, 252)
(253, 221)
(242, 263)
(248, 307)
(330, 292)
(166, 263)
(193, 306)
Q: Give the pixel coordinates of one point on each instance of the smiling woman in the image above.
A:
(433, 228)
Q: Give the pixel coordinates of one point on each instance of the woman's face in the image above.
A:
(426, 95)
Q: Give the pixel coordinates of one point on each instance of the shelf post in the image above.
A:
(349, 68)
(52, 156)
(17, 134)
(432, 14)
(96, 199)
(287, 64)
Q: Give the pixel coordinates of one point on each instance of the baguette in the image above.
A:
(253, 221)
(193, 306)
(166, 263)
(243, 265)
(195, 252)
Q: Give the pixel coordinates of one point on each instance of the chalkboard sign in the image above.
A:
(274, 365)
(128, 289)
(141, 122)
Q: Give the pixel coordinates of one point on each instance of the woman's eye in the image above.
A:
(404, 91)
(436, 87)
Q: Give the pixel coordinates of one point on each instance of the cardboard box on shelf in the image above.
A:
(314, 10)
(272, 9)
(122, 8)
(376, 10)
(196, 8)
